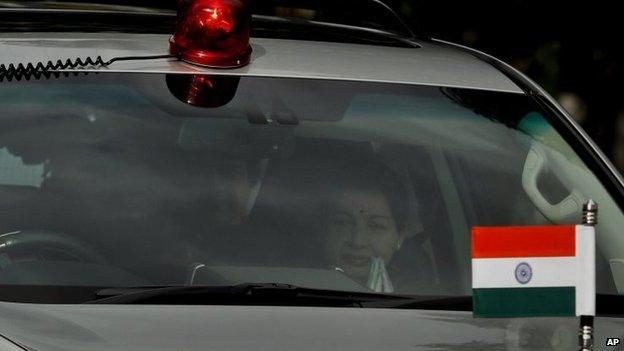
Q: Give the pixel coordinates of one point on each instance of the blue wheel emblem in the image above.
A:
(523, 273)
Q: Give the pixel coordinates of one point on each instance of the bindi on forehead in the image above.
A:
(361, 203)
(362, 211)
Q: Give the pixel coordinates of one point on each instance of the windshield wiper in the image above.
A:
(290, 295)
(263, 294)
(435, 303)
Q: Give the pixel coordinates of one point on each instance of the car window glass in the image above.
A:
(327, 184)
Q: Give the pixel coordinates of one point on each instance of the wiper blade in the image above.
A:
(263, 294)
(434, 303)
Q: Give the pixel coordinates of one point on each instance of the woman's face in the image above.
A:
(360, 227)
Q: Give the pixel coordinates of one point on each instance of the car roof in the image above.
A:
(431, 64)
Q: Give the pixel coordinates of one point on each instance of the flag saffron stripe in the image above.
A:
(499, 242)
(524, 302)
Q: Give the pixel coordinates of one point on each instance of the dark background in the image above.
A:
(574, 50)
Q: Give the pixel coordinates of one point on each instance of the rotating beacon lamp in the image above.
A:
(212, 33)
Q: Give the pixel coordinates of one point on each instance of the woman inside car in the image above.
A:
(342, 208)
(365, 223)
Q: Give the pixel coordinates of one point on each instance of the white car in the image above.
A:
(311, 187)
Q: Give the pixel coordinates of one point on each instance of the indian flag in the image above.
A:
(533, 271)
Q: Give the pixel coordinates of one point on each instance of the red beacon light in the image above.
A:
(212, 33)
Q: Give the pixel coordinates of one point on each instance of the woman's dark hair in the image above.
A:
(365, 175)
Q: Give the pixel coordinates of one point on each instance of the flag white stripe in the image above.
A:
(586, 276)
(546, 272)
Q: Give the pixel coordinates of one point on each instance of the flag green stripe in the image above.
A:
(524, 302)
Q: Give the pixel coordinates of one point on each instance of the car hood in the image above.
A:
(190, 328)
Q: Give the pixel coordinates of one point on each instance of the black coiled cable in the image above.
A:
(40, 70)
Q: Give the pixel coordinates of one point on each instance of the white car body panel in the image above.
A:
(433, 64)
(238, 328)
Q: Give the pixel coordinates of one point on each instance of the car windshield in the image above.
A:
(115, 180)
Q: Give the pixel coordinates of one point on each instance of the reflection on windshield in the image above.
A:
(373, 189)
(15, 172)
